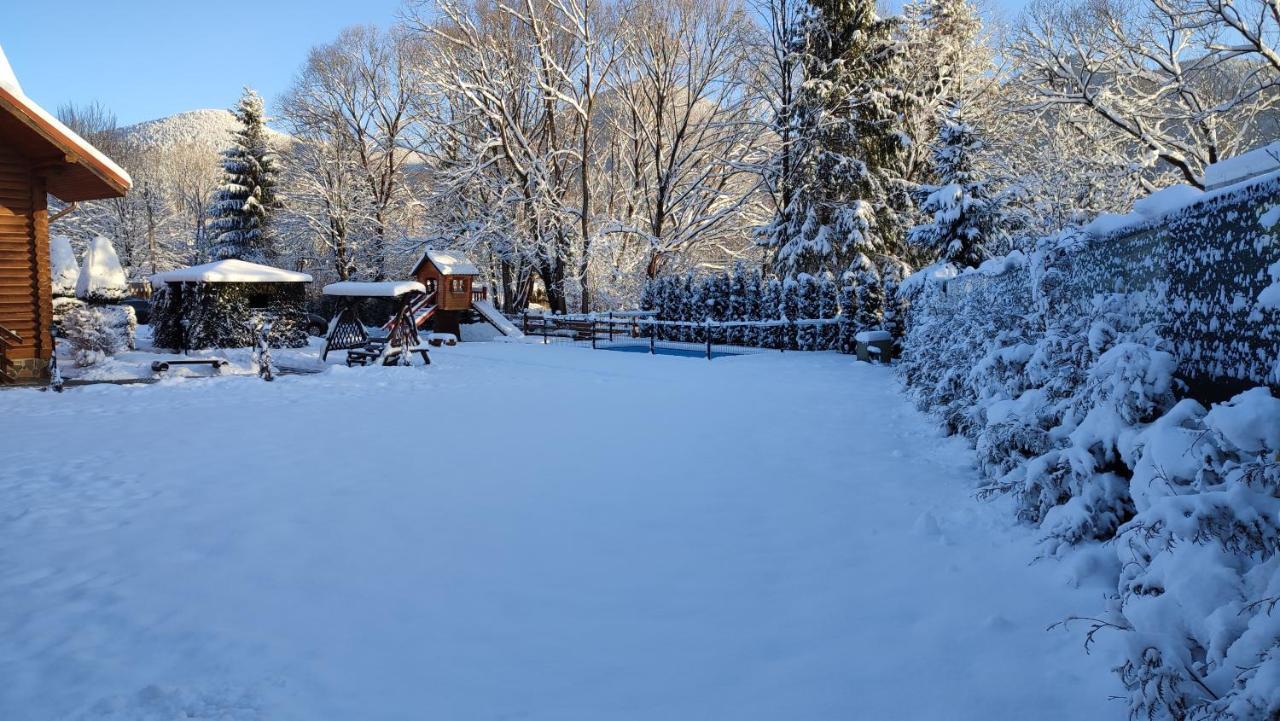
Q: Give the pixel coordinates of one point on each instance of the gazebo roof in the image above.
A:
(75, 170)
(447, 263)
(230, 271)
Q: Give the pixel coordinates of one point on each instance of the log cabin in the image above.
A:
(39, 157)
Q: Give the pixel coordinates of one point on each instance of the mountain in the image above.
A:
(205, 128)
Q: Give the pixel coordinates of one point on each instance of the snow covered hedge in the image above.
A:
(1066, 370)
(193, 316)
(744, 295)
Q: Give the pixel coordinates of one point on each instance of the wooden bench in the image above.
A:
(378, 349)
(216, 363)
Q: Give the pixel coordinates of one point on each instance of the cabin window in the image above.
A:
(457, 285)
(259, 300)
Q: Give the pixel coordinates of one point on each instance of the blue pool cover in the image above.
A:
(681, 352)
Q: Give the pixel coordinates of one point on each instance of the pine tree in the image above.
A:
(848, 198)
(828, 309)
(691, 305)
(242, 207)
(738, 294)
(868, 292)
(848, 311)
(752, 308)
(790, 312)
(806, 308)
(771, 308)
(966, 214)
(946, 62)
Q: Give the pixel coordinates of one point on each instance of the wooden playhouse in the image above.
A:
(39, 156)
(452, 294)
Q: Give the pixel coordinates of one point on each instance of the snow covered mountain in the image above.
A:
(205, 128)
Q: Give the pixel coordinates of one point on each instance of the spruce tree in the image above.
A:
(848, 199)
(966, 215)
(242, 207)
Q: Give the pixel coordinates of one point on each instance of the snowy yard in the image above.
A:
(521, 532)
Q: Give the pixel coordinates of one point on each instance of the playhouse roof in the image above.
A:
(385, 289)
(230, 271)
(77, 170)
(448, 263)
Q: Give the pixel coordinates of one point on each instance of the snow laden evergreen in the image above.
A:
(242, 207)
(966, 215)
(847, 200)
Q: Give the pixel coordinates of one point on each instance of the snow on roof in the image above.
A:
(10, 86)
(385, 289)
(8, 80)
(450, 263)
(1245, 166)
(230, 271)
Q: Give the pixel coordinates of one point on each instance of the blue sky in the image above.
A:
(146, 59)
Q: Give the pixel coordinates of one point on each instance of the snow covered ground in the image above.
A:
(521, 532)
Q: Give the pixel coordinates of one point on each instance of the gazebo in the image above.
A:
(39, 156)
(208, 306)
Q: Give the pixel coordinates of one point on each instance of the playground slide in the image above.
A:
(421, 316)
(496, 319)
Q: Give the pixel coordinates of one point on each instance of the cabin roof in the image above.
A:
(448, 263)
(230, 271)
(75, 169)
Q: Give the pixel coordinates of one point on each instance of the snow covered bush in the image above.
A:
(1198, 583)
(1067, 370)
(97, 331)
(63, 267)
(102, 279)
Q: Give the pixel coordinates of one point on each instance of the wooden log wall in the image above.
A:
(25, 281)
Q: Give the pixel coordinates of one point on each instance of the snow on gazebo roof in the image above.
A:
(448, 263)
(41, 124)
(385, 289)
(230, 271)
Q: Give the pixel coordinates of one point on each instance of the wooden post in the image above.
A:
(593, 333)
(610, 326)
(652, 335)
(708, 339)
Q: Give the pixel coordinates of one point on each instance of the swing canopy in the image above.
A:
(384, 289)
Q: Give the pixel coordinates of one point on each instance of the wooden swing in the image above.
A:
(346, 332)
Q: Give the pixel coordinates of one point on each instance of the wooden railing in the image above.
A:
(8, 340)
(481, 293)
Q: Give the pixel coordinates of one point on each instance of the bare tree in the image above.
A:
(353, 97)
(1149, 75)
(683, 118)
